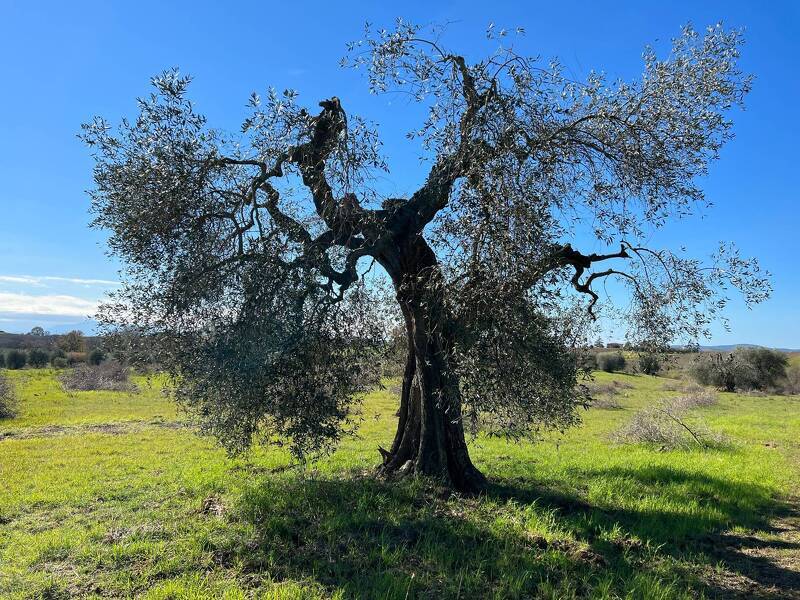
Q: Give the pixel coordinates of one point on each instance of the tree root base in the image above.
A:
(472, 485)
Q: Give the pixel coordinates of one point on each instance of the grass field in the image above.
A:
(109, 495)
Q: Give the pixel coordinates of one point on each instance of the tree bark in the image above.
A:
(430, 434)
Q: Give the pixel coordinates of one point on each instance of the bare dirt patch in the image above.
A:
(765, 564)
(101, 428)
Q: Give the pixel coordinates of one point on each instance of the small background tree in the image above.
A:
(38, 358)
(74, 341)
(96, 357)
(58, 358)
(768, 367)
(744, 369)
(650, 363)
(611, 361)
(16, 359)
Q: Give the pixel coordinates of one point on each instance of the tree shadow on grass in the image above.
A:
(373, 539)
(702, 527)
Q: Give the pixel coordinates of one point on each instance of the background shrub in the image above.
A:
(603, 395)
(699, 398)
(58, 355)
(110, 375)
(587, 361)
(16, 359)
(38, 358)
(792, 383)
(2, 360)
(96, 356)
(649, 363)
(610, 361)
(75, 358)
(74, 341)
(743, 370)
(8, 402)
(686, 387)
(767, 367)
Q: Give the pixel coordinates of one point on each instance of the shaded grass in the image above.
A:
(87, 514)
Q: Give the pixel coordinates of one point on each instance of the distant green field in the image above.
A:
(109, 495)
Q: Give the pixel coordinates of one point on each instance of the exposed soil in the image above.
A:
(103, 428)
(763, 565)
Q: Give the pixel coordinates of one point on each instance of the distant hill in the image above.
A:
(732, 347)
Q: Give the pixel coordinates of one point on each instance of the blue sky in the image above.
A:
(63, 62)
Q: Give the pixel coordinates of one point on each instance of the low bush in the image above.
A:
(666, 425)
(58, 355)
(603, 395)
(792, 383)
(96, 356)
(110, 376)
(743, 370)
(698, 399)
(605, 403)
(16, 359)
(610, 361)
(75, 358)
(8, 401)
(650, 363)
(59, 362)
(38, 358)
(587, 361)
(685, 387)
(611, 388)
(2, 360)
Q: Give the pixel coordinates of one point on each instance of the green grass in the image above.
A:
(101, 497)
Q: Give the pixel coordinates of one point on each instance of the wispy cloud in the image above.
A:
(40, 280)
(48, 304)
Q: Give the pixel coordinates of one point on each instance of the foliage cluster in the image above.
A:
(745, 369)
(16, 359)
(792, 385)
(96, 356)
(650, 363)
(611, 362)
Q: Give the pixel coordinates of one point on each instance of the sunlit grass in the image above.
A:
(155, 511)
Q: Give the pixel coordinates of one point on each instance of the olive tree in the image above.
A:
(247, 253)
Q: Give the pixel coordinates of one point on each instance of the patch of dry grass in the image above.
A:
(109, 376)
(8, 399)
(667, 424)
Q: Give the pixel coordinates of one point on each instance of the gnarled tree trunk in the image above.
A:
(430, 433)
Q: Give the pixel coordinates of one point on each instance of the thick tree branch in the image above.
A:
(435, 192)
(567, 255)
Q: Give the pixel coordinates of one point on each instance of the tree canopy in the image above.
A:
(246, 252)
